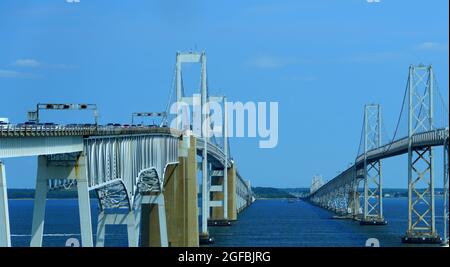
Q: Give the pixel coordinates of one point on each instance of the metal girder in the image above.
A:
(123, 158)
(114, 196)
(39, 145)
(373, 192)
(421, 198)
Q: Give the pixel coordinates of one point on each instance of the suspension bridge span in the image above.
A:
(144, 177)
(423, 133)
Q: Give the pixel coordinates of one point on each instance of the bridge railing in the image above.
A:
(11, 130)
(434, 137)
(214, 150)
(243, 192)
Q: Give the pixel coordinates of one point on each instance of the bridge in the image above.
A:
(342, 193)
(145, 177)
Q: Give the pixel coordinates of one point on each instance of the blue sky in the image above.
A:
(321, 60)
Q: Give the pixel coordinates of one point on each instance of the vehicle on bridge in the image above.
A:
(4, 122)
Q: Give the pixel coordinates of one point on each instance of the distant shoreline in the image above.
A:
(260, 193)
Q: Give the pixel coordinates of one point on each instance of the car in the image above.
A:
(49, 124)
(29, 124)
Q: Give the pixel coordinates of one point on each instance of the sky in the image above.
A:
(322, 61)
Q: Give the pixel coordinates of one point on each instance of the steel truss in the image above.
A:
(373, 192)
(421, 198)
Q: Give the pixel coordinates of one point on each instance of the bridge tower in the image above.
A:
(214, 181)
(421, 198)
(373, 190)
(196, 58)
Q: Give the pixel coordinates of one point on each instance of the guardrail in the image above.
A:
(10, 130)
(214, 150)
(434, 137)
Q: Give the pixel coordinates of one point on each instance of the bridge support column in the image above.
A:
(64, 169)
(84, 206)
(373, 195)
(5, 235)
(154, 234)
(180, 192)
(354, 203)
(101, 229)
(421, 202)
(232, 196)
(40, 197)
(217, 195)
(204, 235)
(127, 219)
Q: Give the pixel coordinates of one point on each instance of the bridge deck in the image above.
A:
(431, 138)
(64, 130)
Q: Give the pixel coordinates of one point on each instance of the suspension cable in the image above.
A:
(361, 138)
(170, 96)
(401, 113)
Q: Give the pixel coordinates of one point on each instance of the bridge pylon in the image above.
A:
(5, 234)
(55, 172)
(199, 58)
(373, 189)
(421, 197)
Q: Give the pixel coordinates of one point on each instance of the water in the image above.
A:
(62, 222)
(265, 223)
(300, 224)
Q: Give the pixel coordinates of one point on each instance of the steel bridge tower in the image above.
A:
(421, 197)
(373, 190)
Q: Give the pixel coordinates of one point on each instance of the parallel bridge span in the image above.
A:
(342, 195)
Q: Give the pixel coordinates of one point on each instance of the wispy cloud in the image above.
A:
(33, 63)
(27, 62)
(271, 62)
(14, 74)
(431, 46)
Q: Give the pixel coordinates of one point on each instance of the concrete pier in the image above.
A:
(180, 193)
